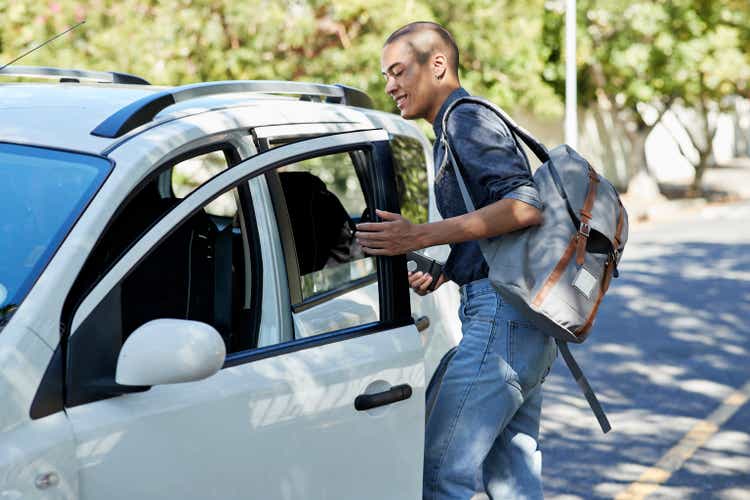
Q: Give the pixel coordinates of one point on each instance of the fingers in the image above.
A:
(387, 215)
(371, 237)
(371, 226)
(420, 282)
(380, 226)
(414, 277)
(375, 250)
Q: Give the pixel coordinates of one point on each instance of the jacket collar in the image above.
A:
(437, 125)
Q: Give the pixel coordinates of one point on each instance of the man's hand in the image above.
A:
(394, 236)
(419, 282)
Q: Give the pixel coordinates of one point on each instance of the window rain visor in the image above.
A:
(42, 194)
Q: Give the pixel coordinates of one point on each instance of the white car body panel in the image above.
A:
(30, 449)
(41, 113)
(303, 399)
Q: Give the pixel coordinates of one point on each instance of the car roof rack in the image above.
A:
(72, 75)
(145, 109)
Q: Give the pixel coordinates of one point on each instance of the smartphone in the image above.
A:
(416, 261)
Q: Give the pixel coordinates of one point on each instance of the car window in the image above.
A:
(323, 198)
(189, 174)
(411, 177)
(42, 193)
(200, 271)
(148, 204)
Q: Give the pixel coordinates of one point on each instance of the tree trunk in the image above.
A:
(637, 155)
(696, 187)
(741, 128)
(642, 183)
(614, 164)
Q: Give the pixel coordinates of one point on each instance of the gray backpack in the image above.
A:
(557, 273)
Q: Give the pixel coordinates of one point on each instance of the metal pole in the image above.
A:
(571, 87)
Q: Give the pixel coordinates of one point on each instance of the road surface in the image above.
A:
(669, 358)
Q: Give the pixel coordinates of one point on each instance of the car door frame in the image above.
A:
(395, 310)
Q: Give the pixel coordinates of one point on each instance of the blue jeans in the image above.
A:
(483, 429)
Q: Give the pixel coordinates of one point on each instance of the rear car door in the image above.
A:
(333, 413)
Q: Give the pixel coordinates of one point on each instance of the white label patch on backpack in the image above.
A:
(584, 282)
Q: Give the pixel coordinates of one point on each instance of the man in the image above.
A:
(485, 422)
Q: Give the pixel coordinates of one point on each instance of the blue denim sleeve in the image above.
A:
(493, 167)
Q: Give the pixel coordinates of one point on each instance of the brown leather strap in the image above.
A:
(588, 205)
(557, 272)
(606, 279)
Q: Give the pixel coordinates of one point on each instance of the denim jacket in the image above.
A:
(492, 167)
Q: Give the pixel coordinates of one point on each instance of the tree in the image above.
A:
(173, 42)
(710, 65)
(636, 59)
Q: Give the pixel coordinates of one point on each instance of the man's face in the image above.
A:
(408, 82)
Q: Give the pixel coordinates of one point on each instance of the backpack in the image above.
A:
(557, 273)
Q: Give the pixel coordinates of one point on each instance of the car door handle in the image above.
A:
(395, 393)
(423, 322)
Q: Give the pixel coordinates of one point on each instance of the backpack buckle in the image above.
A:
(614, 257)
(584, 229)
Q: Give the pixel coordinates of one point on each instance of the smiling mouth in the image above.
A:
(400, 101)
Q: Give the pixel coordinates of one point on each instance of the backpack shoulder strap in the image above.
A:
(536, 147)
(515, 130)
(583, 383)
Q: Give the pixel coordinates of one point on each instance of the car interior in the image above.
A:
(198, 271)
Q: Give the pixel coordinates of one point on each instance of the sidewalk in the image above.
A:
(727, 183)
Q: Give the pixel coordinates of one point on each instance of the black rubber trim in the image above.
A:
(395, 302)
(256, 262)
(128, 79)
(49, 395)
(134, 115)
(145, 109)
(356, 97)
(240, 358)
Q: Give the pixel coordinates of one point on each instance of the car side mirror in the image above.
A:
(170, 351)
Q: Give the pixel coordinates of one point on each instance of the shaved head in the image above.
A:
(425, 39)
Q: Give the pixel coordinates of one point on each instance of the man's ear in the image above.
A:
(439, 65)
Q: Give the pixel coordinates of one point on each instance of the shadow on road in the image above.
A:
(671, 342)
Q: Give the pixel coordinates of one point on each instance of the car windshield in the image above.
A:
(42, 193)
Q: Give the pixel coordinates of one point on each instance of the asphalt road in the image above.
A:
(670, 360)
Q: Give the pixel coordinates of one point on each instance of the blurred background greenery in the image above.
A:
(639, 61)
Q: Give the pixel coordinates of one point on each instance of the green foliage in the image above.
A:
(654, 51)
(171, 42)
(411, 178)
(639, 55)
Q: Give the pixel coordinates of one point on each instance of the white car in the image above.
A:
(183, 310)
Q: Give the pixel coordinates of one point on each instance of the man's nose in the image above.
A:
(390, 86)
